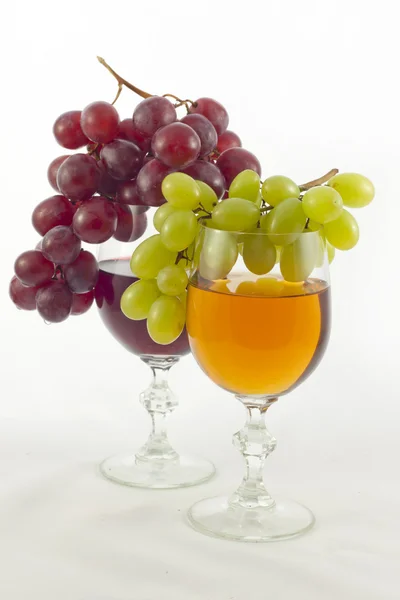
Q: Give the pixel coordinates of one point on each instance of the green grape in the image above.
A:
(285, 222)
(356, 190)
(258, 201)
(322, 204)
(299, 259)
(208, 198)
(150, 257)
(246, 185)
(330, 251)
(138, 298)
(166, 320)
(181, 191)
(183, 298)
(172, 280)
(179, 230)
(235, 214)
(343, 233)
(259, 253)
(216, 254)
(161, 214)
(277, 188)
(314, 226)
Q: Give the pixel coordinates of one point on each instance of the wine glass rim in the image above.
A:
(203, 224)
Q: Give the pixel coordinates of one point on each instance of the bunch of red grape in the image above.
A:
(106, 191)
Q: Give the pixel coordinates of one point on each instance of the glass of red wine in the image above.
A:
(156, 464)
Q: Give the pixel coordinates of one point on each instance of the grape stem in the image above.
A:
(180, 102)
(319, 181)
(266, 209)
(122, 82)
(201, 207)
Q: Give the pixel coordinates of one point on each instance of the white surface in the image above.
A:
(309, 86)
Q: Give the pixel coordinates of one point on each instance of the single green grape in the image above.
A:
(235, 214)
(343, 233)
(356, 190)
(208, 198)
(183, 298)
(181, 191)
(150, 257)
(322, 204)
(246, 185)
(285, 222)
(217, 253)
(138, 298)
(258, 201)
(277, 188)
(299, 259)
(314, 226)
(166, 319)
(179, 230)
(161, 214)
(330, 251)
(172, 280)
(259, 253)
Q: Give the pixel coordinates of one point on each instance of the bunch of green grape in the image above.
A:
(278, 208)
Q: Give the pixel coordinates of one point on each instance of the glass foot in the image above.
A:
(127, 469)
(217, 518)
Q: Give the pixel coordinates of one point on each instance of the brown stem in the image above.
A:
(319, 181)
(122, 81)
(265, 209)
(179, 100)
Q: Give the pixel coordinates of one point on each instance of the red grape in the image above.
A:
(204, 129)
(68, 132)
(228, 139)
(56, 210)
(153, 113)
(53, 170)
(54, 301)
(81, 275)
(107, 185)
(213, 111)
(127, 193)
(32, 268)
(61, 245)
(131, 225)
(78, 177)
(147, 158)
(100, 121)
(82, 302)
(149, 182)
(177, 145)
(209, 173)
(95, 221)
(235, 160)
(23, 296)
(128, 131)
(122, 159)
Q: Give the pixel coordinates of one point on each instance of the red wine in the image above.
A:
(114, 277)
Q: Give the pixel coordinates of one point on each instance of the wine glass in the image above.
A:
(156, 464)
(258, 337)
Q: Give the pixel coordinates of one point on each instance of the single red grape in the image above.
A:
(177, 145)
(78, 177)
(128, 131)
(149, 182)
(213, 111)
(153, 113)
(81, 275)
(56, 210)
(209, 173)
(95, 221)
(32, 268)
(100, 121)
(107, 185)
(122, 159)
(23, 296)
(68, 132)
(61, 245)
(235, 160)
(53, 170)
(204, 129)
(228, 139)
(54, 301)
(127, 193)
(131, 225)
(82, 302)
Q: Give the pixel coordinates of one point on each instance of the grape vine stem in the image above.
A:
(319, 181)
(122, 82)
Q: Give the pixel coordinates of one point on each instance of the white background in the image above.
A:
(309, 86)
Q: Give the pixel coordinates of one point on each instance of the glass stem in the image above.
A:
(159, 401)
(255, 443)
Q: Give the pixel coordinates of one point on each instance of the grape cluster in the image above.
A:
(277, 208)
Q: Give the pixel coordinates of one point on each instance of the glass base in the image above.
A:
(127, 469)
(217, 518)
